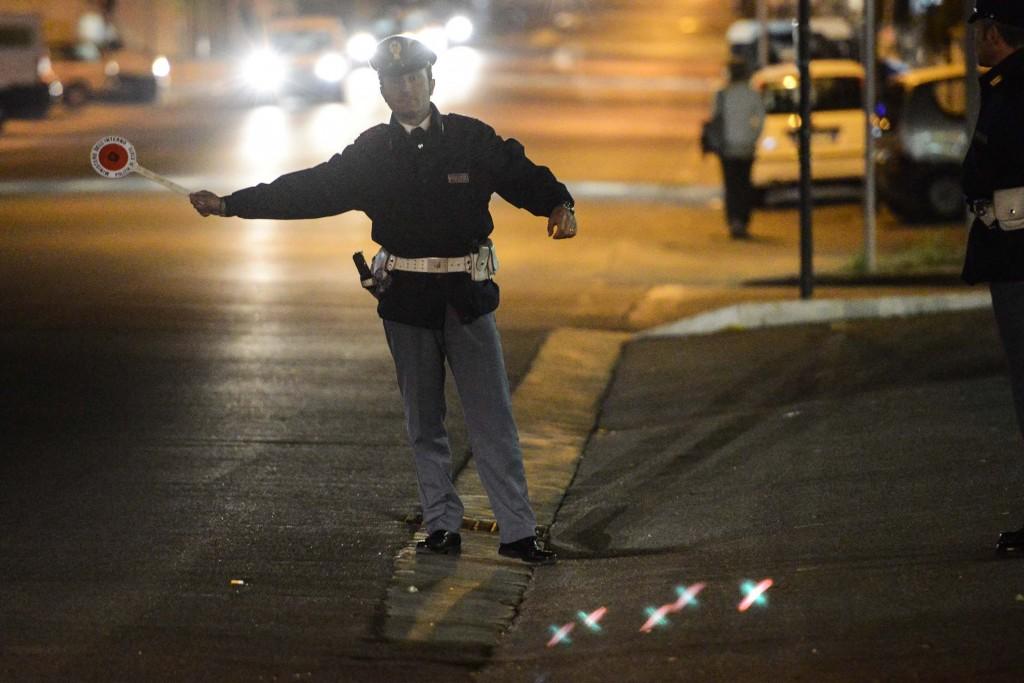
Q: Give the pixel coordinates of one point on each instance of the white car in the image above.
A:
(88, 72)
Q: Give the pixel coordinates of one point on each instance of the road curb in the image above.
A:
(750, 316)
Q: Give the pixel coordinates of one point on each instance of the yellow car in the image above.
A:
(837, 120)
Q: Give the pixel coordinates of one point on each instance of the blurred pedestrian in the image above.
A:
(736, 123)
(993, 183)
(425, 179)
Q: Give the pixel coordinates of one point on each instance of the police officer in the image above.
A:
(993, 180)
(425, 180)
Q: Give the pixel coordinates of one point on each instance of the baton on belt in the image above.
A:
(365, 276)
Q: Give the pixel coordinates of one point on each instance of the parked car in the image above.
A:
(837, 136)
(831, 38)
(89, 72)
(923, 141)
(301, 57)
(28, 84)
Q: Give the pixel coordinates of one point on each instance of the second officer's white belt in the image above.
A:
(431, 264)
(1005, 210)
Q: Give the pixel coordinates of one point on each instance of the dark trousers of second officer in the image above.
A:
(739, 194)
(1008, 307)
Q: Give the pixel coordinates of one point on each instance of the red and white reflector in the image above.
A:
(114, 157)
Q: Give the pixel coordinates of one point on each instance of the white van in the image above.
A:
(27, 81)
(837, 134)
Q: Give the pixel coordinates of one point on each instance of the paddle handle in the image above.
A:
(157, 178)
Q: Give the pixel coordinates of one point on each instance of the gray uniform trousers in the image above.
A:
(473, 352)
(1008, 306)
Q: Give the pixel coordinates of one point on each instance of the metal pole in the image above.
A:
(803, 61)
(971, 69)
(870, 98)
(972, 85)
(762, 39)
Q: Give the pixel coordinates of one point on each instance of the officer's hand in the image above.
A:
(562, 224)
(207, 203)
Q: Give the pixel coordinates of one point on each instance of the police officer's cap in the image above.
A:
(397, 55)
(1009, 12)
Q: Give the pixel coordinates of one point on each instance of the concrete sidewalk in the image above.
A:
(865, 467)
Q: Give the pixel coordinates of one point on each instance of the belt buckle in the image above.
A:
(437, 265)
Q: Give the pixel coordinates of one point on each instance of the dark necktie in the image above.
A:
(418, 136)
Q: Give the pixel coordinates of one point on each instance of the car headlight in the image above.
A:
(161, 67)
(459, 29)
(331, 67)
(264, 71)
(361, 47)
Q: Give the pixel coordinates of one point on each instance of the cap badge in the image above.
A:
(396, 49)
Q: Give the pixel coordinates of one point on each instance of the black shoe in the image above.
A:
(441, 542)
(528, 550)
(1010, 540)
(738, 230)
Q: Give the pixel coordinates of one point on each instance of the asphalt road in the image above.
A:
(181, 412)
(866, 468)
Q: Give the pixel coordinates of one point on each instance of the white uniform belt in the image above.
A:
(434, 264)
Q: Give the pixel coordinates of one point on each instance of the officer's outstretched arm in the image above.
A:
(207, 203)
(562, 223)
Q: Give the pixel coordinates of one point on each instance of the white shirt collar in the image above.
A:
(424, 124)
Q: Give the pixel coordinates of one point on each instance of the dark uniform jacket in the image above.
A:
(423, 202)
(995, 161)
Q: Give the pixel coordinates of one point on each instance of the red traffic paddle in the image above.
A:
(114, 157)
